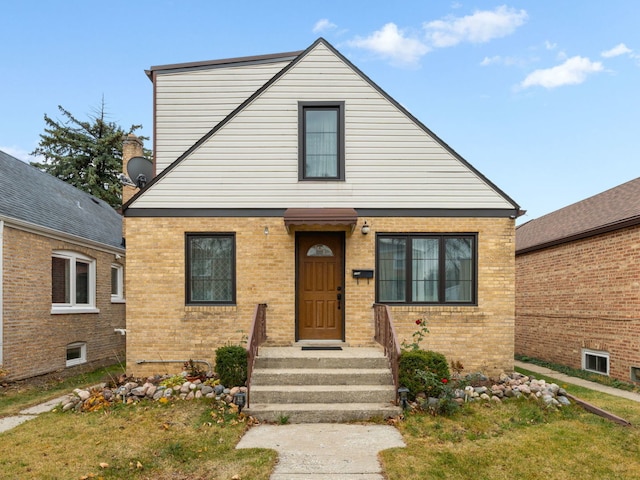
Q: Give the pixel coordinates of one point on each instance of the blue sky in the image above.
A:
(541, 96)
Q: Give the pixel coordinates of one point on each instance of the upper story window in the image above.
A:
(117, 283)
(426, 269)
(73, 283)
(211, 275)
(321, 141)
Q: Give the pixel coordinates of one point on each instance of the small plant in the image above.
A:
(172, 381)
(194, 370)
(283, 419)
(417, 367)
(231, 365)
(417, 336)
(3, 373)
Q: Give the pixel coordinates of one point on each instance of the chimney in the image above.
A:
(131, 147)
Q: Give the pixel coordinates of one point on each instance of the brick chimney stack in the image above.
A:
(132, 147)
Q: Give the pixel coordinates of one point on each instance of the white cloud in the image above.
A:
(18, 153)
(323, 25)
(391, 43)
(480, 27)
(616, 51)
(499, 60)
(572, 72)
(550, 46)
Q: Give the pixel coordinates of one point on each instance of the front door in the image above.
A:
(320, 295)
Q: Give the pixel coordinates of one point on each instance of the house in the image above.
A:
(578, 286)
(61, 275)
(293, 180)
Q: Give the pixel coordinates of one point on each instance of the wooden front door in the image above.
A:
(320, 295)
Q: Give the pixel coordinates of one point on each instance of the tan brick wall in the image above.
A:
(584, 294)
(162, 328)
(35, 340)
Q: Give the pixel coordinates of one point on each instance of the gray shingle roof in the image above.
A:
(29, 195)
(611, 210)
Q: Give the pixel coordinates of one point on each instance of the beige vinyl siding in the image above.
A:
(252, 162)
(190, 103)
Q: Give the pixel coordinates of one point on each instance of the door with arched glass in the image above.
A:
(320, 289)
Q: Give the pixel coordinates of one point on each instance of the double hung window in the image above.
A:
(210, 269)
(321, 141)
(117, 283)
(426, 269)
(73, 283)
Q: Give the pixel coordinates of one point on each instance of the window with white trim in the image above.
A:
(73, 283)
(595, 361)
(76, 353)
(117, 283)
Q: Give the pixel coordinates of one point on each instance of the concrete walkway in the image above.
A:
(315, 451)
(7, 423)
(561, 377)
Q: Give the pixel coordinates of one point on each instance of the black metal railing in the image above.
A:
(257, 336)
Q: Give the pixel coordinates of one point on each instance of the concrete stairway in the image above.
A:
(314, 386)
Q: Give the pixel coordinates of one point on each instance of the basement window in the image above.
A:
(76, 353)
(595, 361)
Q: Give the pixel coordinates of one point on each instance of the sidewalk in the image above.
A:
(561, 377)
(7, 423)
(323, 451)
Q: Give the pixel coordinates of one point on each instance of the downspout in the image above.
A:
(1, 291)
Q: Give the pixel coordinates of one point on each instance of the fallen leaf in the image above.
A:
(138, 465)
(104, 465)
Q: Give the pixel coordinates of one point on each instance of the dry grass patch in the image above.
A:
(146, 441)
(520, 439)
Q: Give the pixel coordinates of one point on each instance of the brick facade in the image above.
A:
(35, 340)
(582, 294)
(161, 328)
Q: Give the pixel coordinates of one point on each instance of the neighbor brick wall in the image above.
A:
(161, 327)
(35, 340)
(583, 294)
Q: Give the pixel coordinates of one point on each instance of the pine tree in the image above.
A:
(85, 154)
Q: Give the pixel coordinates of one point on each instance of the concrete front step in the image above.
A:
(321, 376)
(311, 386)
(322, 394)
(321, 412)
(295, 357)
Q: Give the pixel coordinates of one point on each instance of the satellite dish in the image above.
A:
(140, 170)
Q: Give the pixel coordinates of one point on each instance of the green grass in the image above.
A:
(149, 440)
(521, 439)
(24, 394)
(574, 372)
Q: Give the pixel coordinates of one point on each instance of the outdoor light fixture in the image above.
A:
(365, 228)
(266, 230)
(403, 392)
(239, 399)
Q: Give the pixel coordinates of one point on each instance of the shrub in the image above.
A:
(231, 365)
(423, 371)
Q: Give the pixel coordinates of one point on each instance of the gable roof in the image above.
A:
(34, 198)
(514, 211)
(611, 210)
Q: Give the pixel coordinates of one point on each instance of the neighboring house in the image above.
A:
(294, 180)
(578, 284)
(61, 275)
